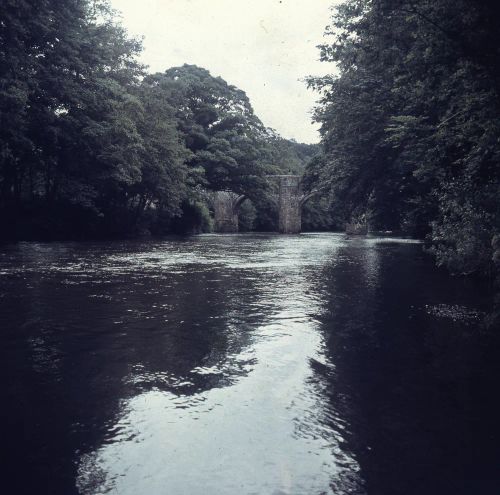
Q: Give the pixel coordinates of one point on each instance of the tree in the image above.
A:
(219, 127)
(79, 154)
(410, 124)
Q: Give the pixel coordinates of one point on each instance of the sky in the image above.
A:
(264, 47)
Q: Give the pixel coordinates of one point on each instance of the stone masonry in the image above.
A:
(290, 204)
(226, 205)
(290, 200)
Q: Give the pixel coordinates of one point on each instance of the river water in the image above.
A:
(244, 364)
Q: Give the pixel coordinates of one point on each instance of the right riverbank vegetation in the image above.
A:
(92, 145)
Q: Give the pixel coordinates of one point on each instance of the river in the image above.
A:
(245, 364)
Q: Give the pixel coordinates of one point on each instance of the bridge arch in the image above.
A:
(291, 199)
(226, 205)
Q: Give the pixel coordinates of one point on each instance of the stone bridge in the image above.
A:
(290, 201)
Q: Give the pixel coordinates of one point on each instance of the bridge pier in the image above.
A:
(290, 204)
(226, 205)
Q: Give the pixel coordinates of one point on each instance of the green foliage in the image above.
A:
(410, 124)
(85, 149)
(288, 156)
(247, 216)
(194, 218)
(218, 126)
(267, 213)
(318, 214)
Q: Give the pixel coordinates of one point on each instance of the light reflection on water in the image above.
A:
(217, 364)
(258, 434)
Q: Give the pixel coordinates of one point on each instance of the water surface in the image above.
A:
(245, 364)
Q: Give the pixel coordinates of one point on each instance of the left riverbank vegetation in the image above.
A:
(91, 145)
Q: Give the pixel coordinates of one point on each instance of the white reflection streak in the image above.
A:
(237, 439)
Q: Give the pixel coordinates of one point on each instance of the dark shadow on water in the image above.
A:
(419, 386)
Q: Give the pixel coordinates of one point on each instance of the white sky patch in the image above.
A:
(264, 47)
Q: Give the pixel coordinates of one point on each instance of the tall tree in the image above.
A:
(410, 123)
(75, 140)
(219, 127)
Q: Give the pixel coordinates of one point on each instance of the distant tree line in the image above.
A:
(93, 146)
(410, 124)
